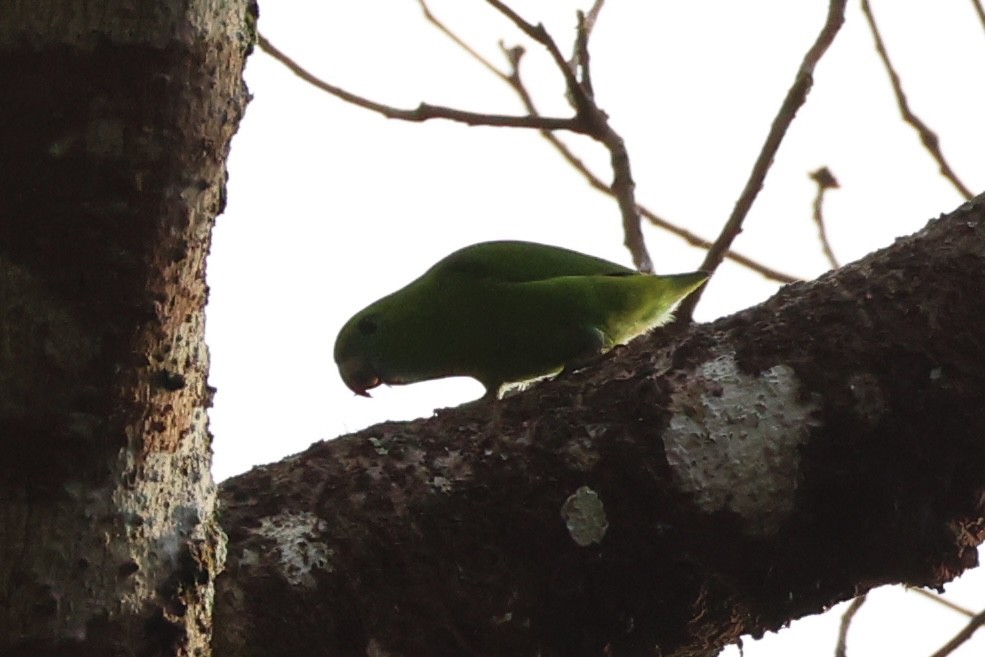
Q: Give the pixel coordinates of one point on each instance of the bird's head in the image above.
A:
(356, 349)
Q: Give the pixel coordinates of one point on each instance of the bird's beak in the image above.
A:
(358, 376)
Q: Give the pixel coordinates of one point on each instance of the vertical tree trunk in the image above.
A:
(115, 121)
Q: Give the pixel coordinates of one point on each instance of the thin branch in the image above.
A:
(596, 126)
(979, 10)
(586, 22)
(581, 59)
(592, 17)
(928, 137)
(689, 237)
(514, 55)
(966, 633)
(943, 601)
(825, 180)
(788, 110)
(624, 189)
(841, 650)
(582, 103)
(424, 111)
(431, 18)
(595, 182)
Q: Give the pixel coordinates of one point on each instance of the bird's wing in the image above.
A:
(518, 262)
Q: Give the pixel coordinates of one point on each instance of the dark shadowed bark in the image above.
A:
(115, 123)
(690, 488)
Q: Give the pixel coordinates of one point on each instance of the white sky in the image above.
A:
(331, 207)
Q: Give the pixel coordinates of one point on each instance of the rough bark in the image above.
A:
(114, 128)
(691, 488)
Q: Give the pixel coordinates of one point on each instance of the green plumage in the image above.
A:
(503, 312)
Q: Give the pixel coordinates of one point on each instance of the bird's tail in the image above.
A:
(660, 297)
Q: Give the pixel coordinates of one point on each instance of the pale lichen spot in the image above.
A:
(297, 537)
(249, 558)
(584, 516)
(374, 649)
(441, 483)
(734, 440)
(454, 464)
(378, 445)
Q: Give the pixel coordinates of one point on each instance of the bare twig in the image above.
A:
(597, 127)
(514, 55)
(593, 15)
(431, 18)
(825, 180)
(928, 137)
(424, 111)
(788, 110)
(966, 632)
(841, 649)
(624, 190)
(943, 601)
(979, 10)
(689, 237)
(589, 119)
(582, 103)
(581, 59)
(586, 23)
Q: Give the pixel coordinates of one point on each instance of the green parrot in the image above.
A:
(503, 312)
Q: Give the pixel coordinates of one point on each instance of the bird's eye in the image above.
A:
(368, 325)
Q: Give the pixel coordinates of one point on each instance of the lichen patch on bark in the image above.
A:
(584, 516)
(734, 446)
(301, 552)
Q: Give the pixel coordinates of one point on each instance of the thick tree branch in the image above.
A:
(695, 486)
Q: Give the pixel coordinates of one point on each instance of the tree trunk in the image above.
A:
(115, 123)
(690, 489)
